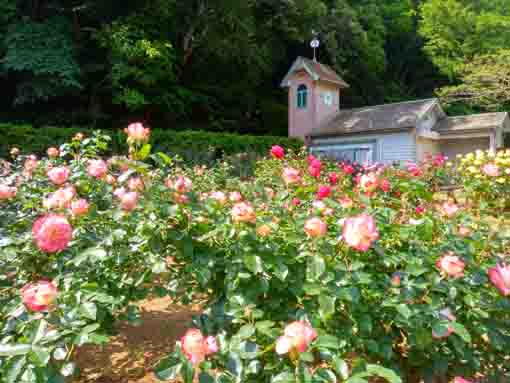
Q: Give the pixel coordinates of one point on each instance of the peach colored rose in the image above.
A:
(297, 336)
(60, 199)
(451, 265)
(500, 278)
(119, 192)
(52, 233)
(196, 347)
(52, 152)
(181, 198)
(110, 180)
(464, 231)
(491, 170)
(7, 192)
(137, 132)
(346, 202)
(97, 168)
(78, 136)
(235, 196)
(449, 209)
(315, 227)
(135, 184)
(264, 231)
(129, 201)
(30, 165)
(368, 182)
(291, 176)
(359, 232)
(15, 152)
(243, 212)
(59, 175)
(39, 296)
(79, 207)
(219, 196)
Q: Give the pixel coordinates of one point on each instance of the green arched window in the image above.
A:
(302, 96)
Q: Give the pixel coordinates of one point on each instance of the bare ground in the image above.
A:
(132, 354)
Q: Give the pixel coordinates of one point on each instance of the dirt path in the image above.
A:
(131, 355)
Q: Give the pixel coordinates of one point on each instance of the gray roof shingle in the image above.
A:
(376, 118)
(471, 122)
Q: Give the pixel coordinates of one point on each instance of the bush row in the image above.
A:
(195, 146)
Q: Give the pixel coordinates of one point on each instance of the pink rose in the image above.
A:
(314, 171)
(129, 201)
(52, 233)
(491, 170)
(500, 278)
(310, 159)
(219, 196)
(333, 178)
(119, 192)
(368, 182)
(196, 347)
(323, 192)
(360, 231)
(420, 210)
(297, 336)
(235, 196)
(291, 176)
(97, 168)
(79, 207)
(277, 152)
(315, 227)
(7, 192)
(135, 184)
(59, 175)
(137, 133)
(414, 170)
(296, 201)
(52, 152)
(60, 199)
(183, 184)
(346, 202)
(39, 296)
(181, 198)
(464, 231)
(348, 169)
(243, 212)
(449, 209)
(385, 185)
(459, 379)
(451, 265)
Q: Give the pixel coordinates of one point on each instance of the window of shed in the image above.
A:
(302, 96)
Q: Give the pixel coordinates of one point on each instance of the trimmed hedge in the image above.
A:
(196, 146)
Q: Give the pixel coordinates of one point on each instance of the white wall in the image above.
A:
(390, 147)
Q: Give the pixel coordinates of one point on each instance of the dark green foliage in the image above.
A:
(197, 146)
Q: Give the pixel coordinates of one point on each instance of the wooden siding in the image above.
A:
(390, 147)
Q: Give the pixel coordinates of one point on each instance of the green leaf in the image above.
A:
(254, 367)
(89, 310)
(204, 377)
(235, 365)
(326, 306)
(404, 311)
(91, 254)
(341, 367)
(253, 263)
(168, 369)
(144, 151)
(384, 372)
(328, 342)
(246, 331)
(14, 367)
(40, 332)
(316, 267)
(323, 375)
(284, 377)
(39, 356)
(14, 349)
(461, 331)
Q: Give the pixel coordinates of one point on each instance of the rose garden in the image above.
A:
(312, 270)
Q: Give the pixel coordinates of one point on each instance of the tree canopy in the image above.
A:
(216, 64)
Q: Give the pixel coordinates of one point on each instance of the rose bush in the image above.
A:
(313, 271)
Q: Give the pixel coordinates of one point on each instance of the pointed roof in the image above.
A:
(316, 70)
(378, 118)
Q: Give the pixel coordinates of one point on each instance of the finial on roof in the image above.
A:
(315, 43)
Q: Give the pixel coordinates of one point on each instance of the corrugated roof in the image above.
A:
(471, 122)
(376, 118)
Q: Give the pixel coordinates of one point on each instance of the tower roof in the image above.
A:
(316, 70)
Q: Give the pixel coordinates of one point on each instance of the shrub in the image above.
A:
(312, 273)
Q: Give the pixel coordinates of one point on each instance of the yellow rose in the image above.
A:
(472, 169)
(478, 162)
(470, 156)
(500, 180)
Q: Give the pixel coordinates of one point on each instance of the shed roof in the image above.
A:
(378, 118)
(471, 122)
(318, 71)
